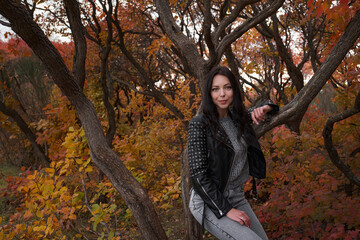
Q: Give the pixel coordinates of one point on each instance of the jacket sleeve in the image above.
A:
(198, 163)
(275, 108)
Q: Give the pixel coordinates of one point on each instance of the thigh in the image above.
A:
(223, 228)
(255, 223)
(227, 229)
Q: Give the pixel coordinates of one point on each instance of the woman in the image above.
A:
(223, 151)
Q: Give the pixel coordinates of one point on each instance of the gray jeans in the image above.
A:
(225, 228)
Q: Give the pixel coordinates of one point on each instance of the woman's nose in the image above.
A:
(222, 92)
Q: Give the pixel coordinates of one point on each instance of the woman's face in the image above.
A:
(222, 94)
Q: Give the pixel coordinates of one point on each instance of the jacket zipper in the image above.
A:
(221, 213)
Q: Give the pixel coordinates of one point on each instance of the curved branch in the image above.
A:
(143, 74)
(250, 23)
(77, 29)
(132, 87)
(295, 109)
(38, 149)
(104, 56)
(186, 46)
(293, 71)
(356, 151)
(6, 24)
(207, 29)
(331, 149)
(240, 5)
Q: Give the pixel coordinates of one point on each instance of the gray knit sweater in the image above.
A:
(240, 168)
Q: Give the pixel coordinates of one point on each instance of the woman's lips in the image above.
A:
(222, 101)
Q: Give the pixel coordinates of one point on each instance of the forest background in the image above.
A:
(93, 131)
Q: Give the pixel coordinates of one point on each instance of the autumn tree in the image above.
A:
(175, 41)
(224, 23)
(107, 160)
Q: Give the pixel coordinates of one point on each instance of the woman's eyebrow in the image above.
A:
(224, 85)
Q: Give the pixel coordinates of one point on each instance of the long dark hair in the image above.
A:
(237, 112)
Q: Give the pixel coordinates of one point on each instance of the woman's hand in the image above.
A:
(239, 216)
(258, 114)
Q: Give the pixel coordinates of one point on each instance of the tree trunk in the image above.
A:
(193, 228)
(107, 160)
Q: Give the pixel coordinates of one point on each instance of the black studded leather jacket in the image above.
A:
(210, 160)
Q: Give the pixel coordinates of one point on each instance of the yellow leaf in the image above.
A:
(39, 228)
(89, 169)
(27, 215)
(65, 198)
(48, 230)
(48, 190)
(23, 188)
(166, 206)
(39, 214)
(31, 177)
(82, 133)
(175, 196)
(50, 170)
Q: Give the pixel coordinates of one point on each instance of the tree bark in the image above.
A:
(107, 160)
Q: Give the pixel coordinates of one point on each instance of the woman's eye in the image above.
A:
(214, 89)
(229, 87)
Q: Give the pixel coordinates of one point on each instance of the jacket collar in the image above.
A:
(221, 135)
